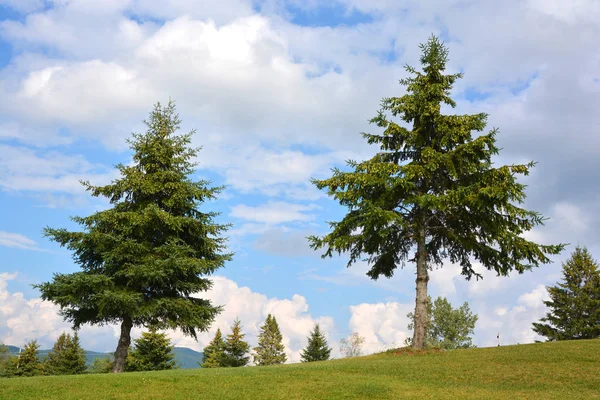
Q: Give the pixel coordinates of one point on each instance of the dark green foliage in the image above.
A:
(270, 349)
(144, 259)
(317, 349)
(101, 365)
(432, 187)
(5, 358)
(153, 351)
(236, 349)
(67, 357)
(448, 328)
(213, 354)
(575, 302)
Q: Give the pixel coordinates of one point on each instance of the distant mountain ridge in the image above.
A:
(186, 357)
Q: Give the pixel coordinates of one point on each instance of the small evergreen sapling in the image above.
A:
(270, 349)
(317, 349)
(237, 351)
(214, 353)
(153, 351)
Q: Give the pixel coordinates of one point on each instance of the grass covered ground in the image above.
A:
(563, 370)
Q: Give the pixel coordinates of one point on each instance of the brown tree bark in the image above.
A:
(123, 345)
(420, 322)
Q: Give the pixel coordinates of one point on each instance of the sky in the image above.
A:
(278, 92)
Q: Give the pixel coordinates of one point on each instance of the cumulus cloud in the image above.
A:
(383, 325)
(27, 319)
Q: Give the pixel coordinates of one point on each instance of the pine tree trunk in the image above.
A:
(420, 322)
(123, 345)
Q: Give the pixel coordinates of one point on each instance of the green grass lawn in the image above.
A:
(563, 370)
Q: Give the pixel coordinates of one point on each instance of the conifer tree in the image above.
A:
(145, 260)
(236, 349)
(153, 351)
(575, 302)
(5, 358)
(270, 349)
(214, 352)
(317, 349)
(27, 362)
(67, 357)
(432, 188)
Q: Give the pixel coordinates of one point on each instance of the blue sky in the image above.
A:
(278, 92)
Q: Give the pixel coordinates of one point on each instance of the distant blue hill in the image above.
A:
(187, 358)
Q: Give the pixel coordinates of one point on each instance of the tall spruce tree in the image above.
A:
(317, 349)
(214, 352)
(67, 356)
(270, 349)
(153, 351)
(575, 302)
(432, 188)
(236, 352)
(144, 260)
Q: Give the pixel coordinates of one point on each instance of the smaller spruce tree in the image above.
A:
(270, 349)
(214, 352)
(317, 349)
(574, 303)
(28, 363)
(236, 349)
(153, 351)
(67, 357)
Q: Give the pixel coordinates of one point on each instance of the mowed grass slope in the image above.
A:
(562, 370)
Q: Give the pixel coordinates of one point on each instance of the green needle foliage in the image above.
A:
(270, 349)
(448, 328)
(27, 363)
(236, 349)
(432, 188)
(153, 351)
(5, 358)
(213, 354)
(317, 349)
(145, 259)
(574, 303)
(67, 356)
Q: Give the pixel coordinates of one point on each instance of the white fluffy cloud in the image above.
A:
(27, 319)
(382, 325)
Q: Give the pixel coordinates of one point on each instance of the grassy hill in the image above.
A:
(563, 370)
(187, 358)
